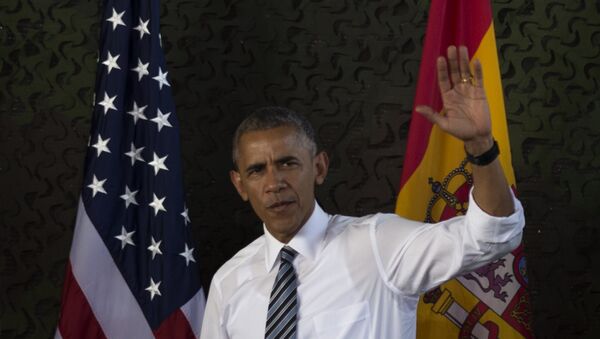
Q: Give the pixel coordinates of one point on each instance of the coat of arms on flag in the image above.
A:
(498, 286)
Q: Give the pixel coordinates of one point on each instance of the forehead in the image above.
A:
(283, 139)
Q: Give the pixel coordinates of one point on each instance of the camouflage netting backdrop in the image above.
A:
(351, 66)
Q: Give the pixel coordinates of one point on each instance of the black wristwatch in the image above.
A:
(486, 158)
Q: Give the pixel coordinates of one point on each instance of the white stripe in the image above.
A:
(57, 334)
(111, 300)
(194, 311)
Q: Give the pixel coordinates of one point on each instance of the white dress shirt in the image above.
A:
(357, 277)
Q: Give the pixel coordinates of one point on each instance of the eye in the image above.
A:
(289, 163)
(254, 171)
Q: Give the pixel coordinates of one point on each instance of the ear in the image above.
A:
(236, 180)
(321, 163)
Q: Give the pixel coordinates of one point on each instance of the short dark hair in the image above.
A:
(271, 117)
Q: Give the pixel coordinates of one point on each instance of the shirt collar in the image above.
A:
(307, 242)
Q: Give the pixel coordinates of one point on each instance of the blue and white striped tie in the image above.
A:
(283, 305)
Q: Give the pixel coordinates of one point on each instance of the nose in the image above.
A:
(274, 180)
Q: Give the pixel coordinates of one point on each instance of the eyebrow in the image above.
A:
(260, 165)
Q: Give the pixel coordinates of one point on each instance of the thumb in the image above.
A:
(430, 114)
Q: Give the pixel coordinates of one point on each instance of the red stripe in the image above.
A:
(76, 317)
(176, 326)
(451, 22)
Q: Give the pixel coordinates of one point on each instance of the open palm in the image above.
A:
(466, 113)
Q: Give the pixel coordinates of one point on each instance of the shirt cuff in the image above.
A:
(492, 229)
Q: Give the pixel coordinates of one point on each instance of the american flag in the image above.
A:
(131, 270)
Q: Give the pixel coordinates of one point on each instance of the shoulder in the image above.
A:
(343, 224)
(240, 262)
(344, 221)
(378, 224)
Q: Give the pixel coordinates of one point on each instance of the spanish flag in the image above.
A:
(492, 301)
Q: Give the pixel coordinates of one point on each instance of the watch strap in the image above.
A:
(486, 157)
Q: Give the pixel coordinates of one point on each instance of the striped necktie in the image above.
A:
(283, 305)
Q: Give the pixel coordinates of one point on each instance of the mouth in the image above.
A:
(280, 206)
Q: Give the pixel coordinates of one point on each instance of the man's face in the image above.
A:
(277, 174)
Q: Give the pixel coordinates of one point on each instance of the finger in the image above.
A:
(443, 79)
(431, 115)
(463, 57)
(453, 62)
(478, 81)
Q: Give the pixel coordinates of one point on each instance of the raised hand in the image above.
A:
(466, 116)
(466, 113)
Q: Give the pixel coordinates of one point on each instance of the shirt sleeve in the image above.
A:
(414, 257)
(212, 327)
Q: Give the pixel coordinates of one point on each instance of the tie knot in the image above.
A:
(288, 254)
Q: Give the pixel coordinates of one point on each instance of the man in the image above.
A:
(315, 275)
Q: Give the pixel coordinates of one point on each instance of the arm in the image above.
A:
(416, 257)
(466, 116)
(211, 324)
